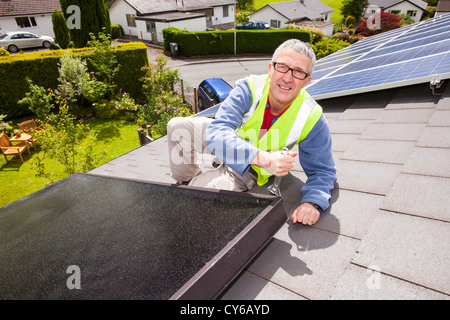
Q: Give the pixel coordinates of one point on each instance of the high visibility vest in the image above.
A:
(291, 128)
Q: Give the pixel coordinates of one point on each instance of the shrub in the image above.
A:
(121, 107)
(42, 68)
(350, 20)
(103, 59)
(166, 106)
(117, 31)
(316, 33)
(3, 125)
(61, 141)
(162, 103)
(222, 42)
(4, 52)
(38, 100)
(328, 46)
(158, 78)
(388, 22)
(74, 80)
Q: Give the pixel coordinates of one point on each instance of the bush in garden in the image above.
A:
(103, 59)
(3, 125)
(166, 106)
(117, 31)
(350, 21)
(328, 46)
(158, 78)
(38, 100)
(4, 52)
(388, 22)
(162, 103)
(123, 107)
(75, 82)
(68, 142)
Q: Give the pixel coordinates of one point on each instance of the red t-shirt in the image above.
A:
(268, 120)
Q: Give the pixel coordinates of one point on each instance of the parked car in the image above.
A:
(15, 41)
(253, 25)
(212, 91)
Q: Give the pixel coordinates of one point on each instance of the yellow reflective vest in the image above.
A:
(291, 128)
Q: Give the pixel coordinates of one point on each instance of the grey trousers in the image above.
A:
(187, 144)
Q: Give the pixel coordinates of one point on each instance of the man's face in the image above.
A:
(284, 88)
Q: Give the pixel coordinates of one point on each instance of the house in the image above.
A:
(412, 8)
(28, 15)
(443, 7)
(280, 14)
(146, 19)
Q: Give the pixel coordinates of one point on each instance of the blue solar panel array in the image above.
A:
(417, 53)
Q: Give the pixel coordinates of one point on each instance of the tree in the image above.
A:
(354, 8)
(244, 4)
(103, 58)
(93, 16)
(62, 36)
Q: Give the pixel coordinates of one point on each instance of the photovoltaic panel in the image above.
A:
(413, 54)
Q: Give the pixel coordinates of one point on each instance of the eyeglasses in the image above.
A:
(299, 74)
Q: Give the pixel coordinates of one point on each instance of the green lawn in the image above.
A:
(17, 179)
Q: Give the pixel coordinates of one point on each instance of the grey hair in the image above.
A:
(301, 47)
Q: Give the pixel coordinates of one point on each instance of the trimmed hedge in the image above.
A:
(42, 68)
(222, 42)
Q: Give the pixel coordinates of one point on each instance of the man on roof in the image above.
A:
(262, 115)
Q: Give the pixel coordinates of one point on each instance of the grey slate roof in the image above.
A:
(387, 232)
(389, 3)
(158, 6)
(23, 7)
(294, 10)
(443, 6)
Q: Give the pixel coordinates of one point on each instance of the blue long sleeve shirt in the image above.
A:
(314, 151)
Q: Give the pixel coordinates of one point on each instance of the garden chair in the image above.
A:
(8, 149)
(29, 127)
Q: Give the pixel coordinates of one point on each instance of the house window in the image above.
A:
(411, 13)
(26, 22)
(130, 20)
(225, 11)
(151, 26)
(275, 24)
(395, 11)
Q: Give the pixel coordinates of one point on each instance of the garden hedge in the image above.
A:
(42, 68)
(222, 42)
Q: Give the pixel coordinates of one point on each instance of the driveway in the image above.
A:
(195, 69)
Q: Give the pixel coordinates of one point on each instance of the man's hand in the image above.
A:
(307, 213)
(276, 163)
